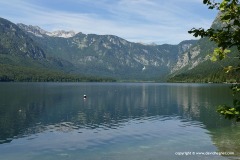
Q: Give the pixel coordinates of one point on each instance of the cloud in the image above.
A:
(135, 20)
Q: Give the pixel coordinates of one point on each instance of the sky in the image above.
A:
(145, 21)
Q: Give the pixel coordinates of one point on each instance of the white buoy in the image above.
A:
(84, 96)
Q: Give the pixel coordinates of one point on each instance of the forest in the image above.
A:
(10, 73)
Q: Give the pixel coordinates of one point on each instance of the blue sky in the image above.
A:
(146, 21)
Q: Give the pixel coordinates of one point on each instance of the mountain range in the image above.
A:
(65, 53)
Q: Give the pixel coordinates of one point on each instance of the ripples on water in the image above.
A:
(137, 137)
(117, 121)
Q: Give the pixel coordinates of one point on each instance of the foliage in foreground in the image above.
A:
(226, 36)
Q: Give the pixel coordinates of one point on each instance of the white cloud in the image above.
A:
(135, 20)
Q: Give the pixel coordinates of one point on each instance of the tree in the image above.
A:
(226, 36)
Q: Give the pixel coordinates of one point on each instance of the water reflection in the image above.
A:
(28, 104)
(163, 114)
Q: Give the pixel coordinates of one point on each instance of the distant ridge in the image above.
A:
(104, 55)
(109, 55)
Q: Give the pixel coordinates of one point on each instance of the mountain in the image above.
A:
(22, 59)
(18, 48)
(112, 56)
(37, 31)
(16, 42)
(194, 65)
(109, 55)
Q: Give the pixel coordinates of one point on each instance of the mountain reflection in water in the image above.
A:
(52, 117)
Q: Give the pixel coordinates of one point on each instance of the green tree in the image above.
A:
(226, 36)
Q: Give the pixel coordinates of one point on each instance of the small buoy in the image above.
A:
(84, 96)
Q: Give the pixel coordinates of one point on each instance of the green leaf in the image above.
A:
(223, 5)
(213, 58)
(228, 69)
(228, 112)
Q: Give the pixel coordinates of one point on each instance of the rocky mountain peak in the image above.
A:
(62, 33)
(37, 31)
(15, 42)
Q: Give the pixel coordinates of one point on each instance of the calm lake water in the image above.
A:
(117, 121)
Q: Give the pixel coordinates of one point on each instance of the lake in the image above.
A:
(117, 121)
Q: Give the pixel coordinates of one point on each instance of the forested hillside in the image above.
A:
(26, 74)
(22, 59)
(195, 64)
(202, 69)
(29, 53)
